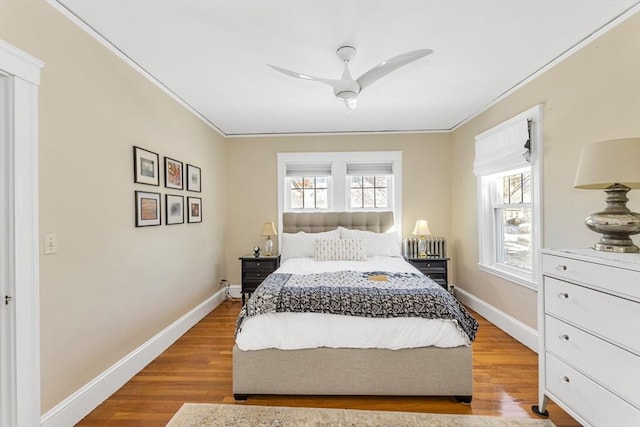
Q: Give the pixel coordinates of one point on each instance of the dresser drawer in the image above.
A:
(617, 280)
(589, 400)
(604, 362)
(615, 319)
(268, 265)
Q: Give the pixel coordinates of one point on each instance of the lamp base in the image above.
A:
(616, 222)
(268, 246)
(422, 247)
(623, 249)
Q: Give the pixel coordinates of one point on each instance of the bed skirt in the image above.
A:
(424, 371)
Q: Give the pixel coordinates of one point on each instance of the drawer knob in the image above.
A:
(258, 264)
(563, 295)
(565, 379)
(563, 337)
(561, 267)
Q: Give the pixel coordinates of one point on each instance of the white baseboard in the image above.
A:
(518, 330)
(86, 399)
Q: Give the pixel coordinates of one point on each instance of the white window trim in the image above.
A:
(486, 228)
(338, 199)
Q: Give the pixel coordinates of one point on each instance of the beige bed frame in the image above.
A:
(425, 371)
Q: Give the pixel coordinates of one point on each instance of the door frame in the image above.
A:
(19, 205)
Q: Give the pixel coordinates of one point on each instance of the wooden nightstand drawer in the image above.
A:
(436, 277)
(268, 265)
(249, 285)
(255, 270)
(248, 275)
(433, 268)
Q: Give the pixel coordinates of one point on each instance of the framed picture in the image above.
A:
(172, 173)
(174, 206)
(194, 209)
(193, 178)
(147, 208)
(146, 166)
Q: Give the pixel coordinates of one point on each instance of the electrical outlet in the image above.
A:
(50, 244)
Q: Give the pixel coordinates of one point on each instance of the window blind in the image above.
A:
(308, 169)
(385, 168)
(502, 148)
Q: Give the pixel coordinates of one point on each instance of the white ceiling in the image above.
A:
(213, 55)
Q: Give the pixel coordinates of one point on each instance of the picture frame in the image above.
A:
(147, 208)
(173, 173)
(174, 209)
(146, 166)
(193, 178)
(194, 209)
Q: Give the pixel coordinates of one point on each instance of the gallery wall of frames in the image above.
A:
(179, 178)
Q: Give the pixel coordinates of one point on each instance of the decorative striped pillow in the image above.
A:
(340, 250)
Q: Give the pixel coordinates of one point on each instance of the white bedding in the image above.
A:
(290, 331)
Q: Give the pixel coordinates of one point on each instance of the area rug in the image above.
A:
(205, 414)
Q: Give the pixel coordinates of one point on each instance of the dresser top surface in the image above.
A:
(628, 261)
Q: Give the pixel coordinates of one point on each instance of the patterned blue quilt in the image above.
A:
(354, 293)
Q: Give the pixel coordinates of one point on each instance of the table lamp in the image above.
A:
(268, 230)
(422, 229)
(612, 166)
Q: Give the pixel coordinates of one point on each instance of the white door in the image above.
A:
(19, 266)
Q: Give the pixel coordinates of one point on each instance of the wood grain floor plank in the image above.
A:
(197, 369)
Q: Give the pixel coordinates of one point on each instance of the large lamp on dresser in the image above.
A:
(612, 166)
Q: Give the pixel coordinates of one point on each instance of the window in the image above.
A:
(341, 181)
(369, 191)
(508, 168)
(512, 213)
(309, 192)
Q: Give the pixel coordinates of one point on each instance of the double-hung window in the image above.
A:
(508, 168)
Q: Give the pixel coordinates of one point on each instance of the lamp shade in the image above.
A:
(268, 229)
(421, 228)
(604, 163)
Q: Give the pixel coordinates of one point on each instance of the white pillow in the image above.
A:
(301, 244)
(340, 250)
(376, 244)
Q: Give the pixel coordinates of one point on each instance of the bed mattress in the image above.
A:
(294, 331)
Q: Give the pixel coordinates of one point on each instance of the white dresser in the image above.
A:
(589, 326)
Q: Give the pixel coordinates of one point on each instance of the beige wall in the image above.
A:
(111, 286)
(252, 177)
(592, 95)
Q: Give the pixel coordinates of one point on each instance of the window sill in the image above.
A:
(513, 276)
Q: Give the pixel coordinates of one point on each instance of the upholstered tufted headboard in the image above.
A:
(315, 222)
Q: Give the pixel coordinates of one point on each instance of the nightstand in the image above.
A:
(432, 267)
(255, 270)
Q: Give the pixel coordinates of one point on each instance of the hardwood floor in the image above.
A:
(197, 368)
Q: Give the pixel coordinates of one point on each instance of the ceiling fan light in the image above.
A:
(346, 95)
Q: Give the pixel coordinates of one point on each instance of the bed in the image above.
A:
(291, 368)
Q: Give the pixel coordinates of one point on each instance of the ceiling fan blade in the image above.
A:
(330, 82)
(385, 67)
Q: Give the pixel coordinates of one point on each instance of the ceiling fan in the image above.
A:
(346, 88)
